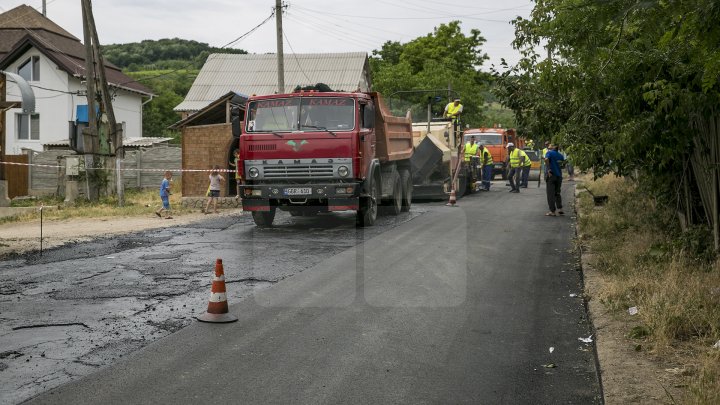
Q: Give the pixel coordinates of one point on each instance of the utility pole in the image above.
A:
(44, 8)
(105, 134)
(280, 61)
(91, 143)
(4, 106)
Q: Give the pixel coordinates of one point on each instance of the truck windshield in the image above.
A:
(301, 114)
(484, 138)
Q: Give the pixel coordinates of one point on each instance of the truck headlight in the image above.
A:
(343, 171)
(253, 172)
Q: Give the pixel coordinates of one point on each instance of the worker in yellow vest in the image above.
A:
(453, 111)
(487, 166)
(471, 159)
(543, 166)
(471, 149)
(525, 170)
(515, 161)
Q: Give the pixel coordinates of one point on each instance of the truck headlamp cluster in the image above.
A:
(343, 171)
(254, 172)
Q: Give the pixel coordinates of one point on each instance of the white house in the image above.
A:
(53, 62)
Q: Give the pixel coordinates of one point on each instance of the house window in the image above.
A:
(30, 69)
(28, 126)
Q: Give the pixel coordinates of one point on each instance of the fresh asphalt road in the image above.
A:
(471, 304)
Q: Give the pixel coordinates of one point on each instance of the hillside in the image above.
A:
(161, 54)
(168, 67)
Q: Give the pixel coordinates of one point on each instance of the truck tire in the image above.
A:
(367, 214)
(264, 219)
(394, 204)
(462, 186)
(407, 189)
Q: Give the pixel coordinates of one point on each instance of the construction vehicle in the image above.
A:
(308, 152)
(495, 140)
(439, 153)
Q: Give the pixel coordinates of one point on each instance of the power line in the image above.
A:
(296, 59)
(272, 14)
(464, 16)
(341, 36)
(340, 27)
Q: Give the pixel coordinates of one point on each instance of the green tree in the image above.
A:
(444, 59)
(631, 85)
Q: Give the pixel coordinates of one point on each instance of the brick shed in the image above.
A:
(209, 138)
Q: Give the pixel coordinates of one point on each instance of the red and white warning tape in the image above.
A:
(124, 169)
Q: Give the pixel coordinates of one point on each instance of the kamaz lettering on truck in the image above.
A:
(312, 152)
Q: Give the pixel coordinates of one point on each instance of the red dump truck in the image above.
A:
(309, 152)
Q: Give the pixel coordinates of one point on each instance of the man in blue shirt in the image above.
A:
(165, 186)
(553, 179)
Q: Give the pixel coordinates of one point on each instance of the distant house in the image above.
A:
(257, 75)
(53, 61)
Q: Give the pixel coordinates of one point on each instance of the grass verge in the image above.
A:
(137, 202)
(671, 278)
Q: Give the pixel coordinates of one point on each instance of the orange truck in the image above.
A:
(495, 140)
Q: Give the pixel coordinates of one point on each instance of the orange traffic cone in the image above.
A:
(452, 198)
(217, 306)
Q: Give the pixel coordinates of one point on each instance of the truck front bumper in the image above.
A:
(328, 197)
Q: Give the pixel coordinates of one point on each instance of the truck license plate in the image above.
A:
(298, 191)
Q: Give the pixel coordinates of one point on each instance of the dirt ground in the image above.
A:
(628, 376)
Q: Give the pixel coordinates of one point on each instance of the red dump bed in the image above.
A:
(394, 139)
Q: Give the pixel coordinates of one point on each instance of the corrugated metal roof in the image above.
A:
(127, 142)
(257, 74)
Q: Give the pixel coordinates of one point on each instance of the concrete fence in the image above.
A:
(144, 169)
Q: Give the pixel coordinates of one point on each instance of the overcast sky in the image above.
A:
(310, 26)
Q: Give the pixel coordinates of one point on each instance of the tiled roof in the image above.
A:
(24, 26)
(257, 74)
(25, 17)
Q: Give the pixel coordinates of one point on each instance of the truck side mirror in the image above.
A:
(368, 117)
(236, 122)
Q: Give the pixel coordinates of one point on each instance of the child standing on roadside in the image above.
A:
(214, 189)
(165, 195)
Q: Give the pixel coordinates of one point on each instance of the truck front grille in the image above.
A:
(303, 169)
(298, 171)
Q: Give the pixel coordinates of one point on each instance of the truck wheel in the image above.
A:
(462, 186)
(264, 219)
(407, 189)
(396, 200)
(367, 213)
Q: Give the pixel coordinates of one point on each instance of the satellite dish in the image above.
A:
(28, 97)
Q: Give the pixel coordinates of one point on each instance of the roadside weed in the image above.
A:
(672, 278)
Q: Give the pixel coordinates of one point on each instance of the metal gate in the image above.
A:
(17, 175)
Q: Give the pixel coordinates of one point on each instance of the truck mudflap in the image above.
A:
(332, 197)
